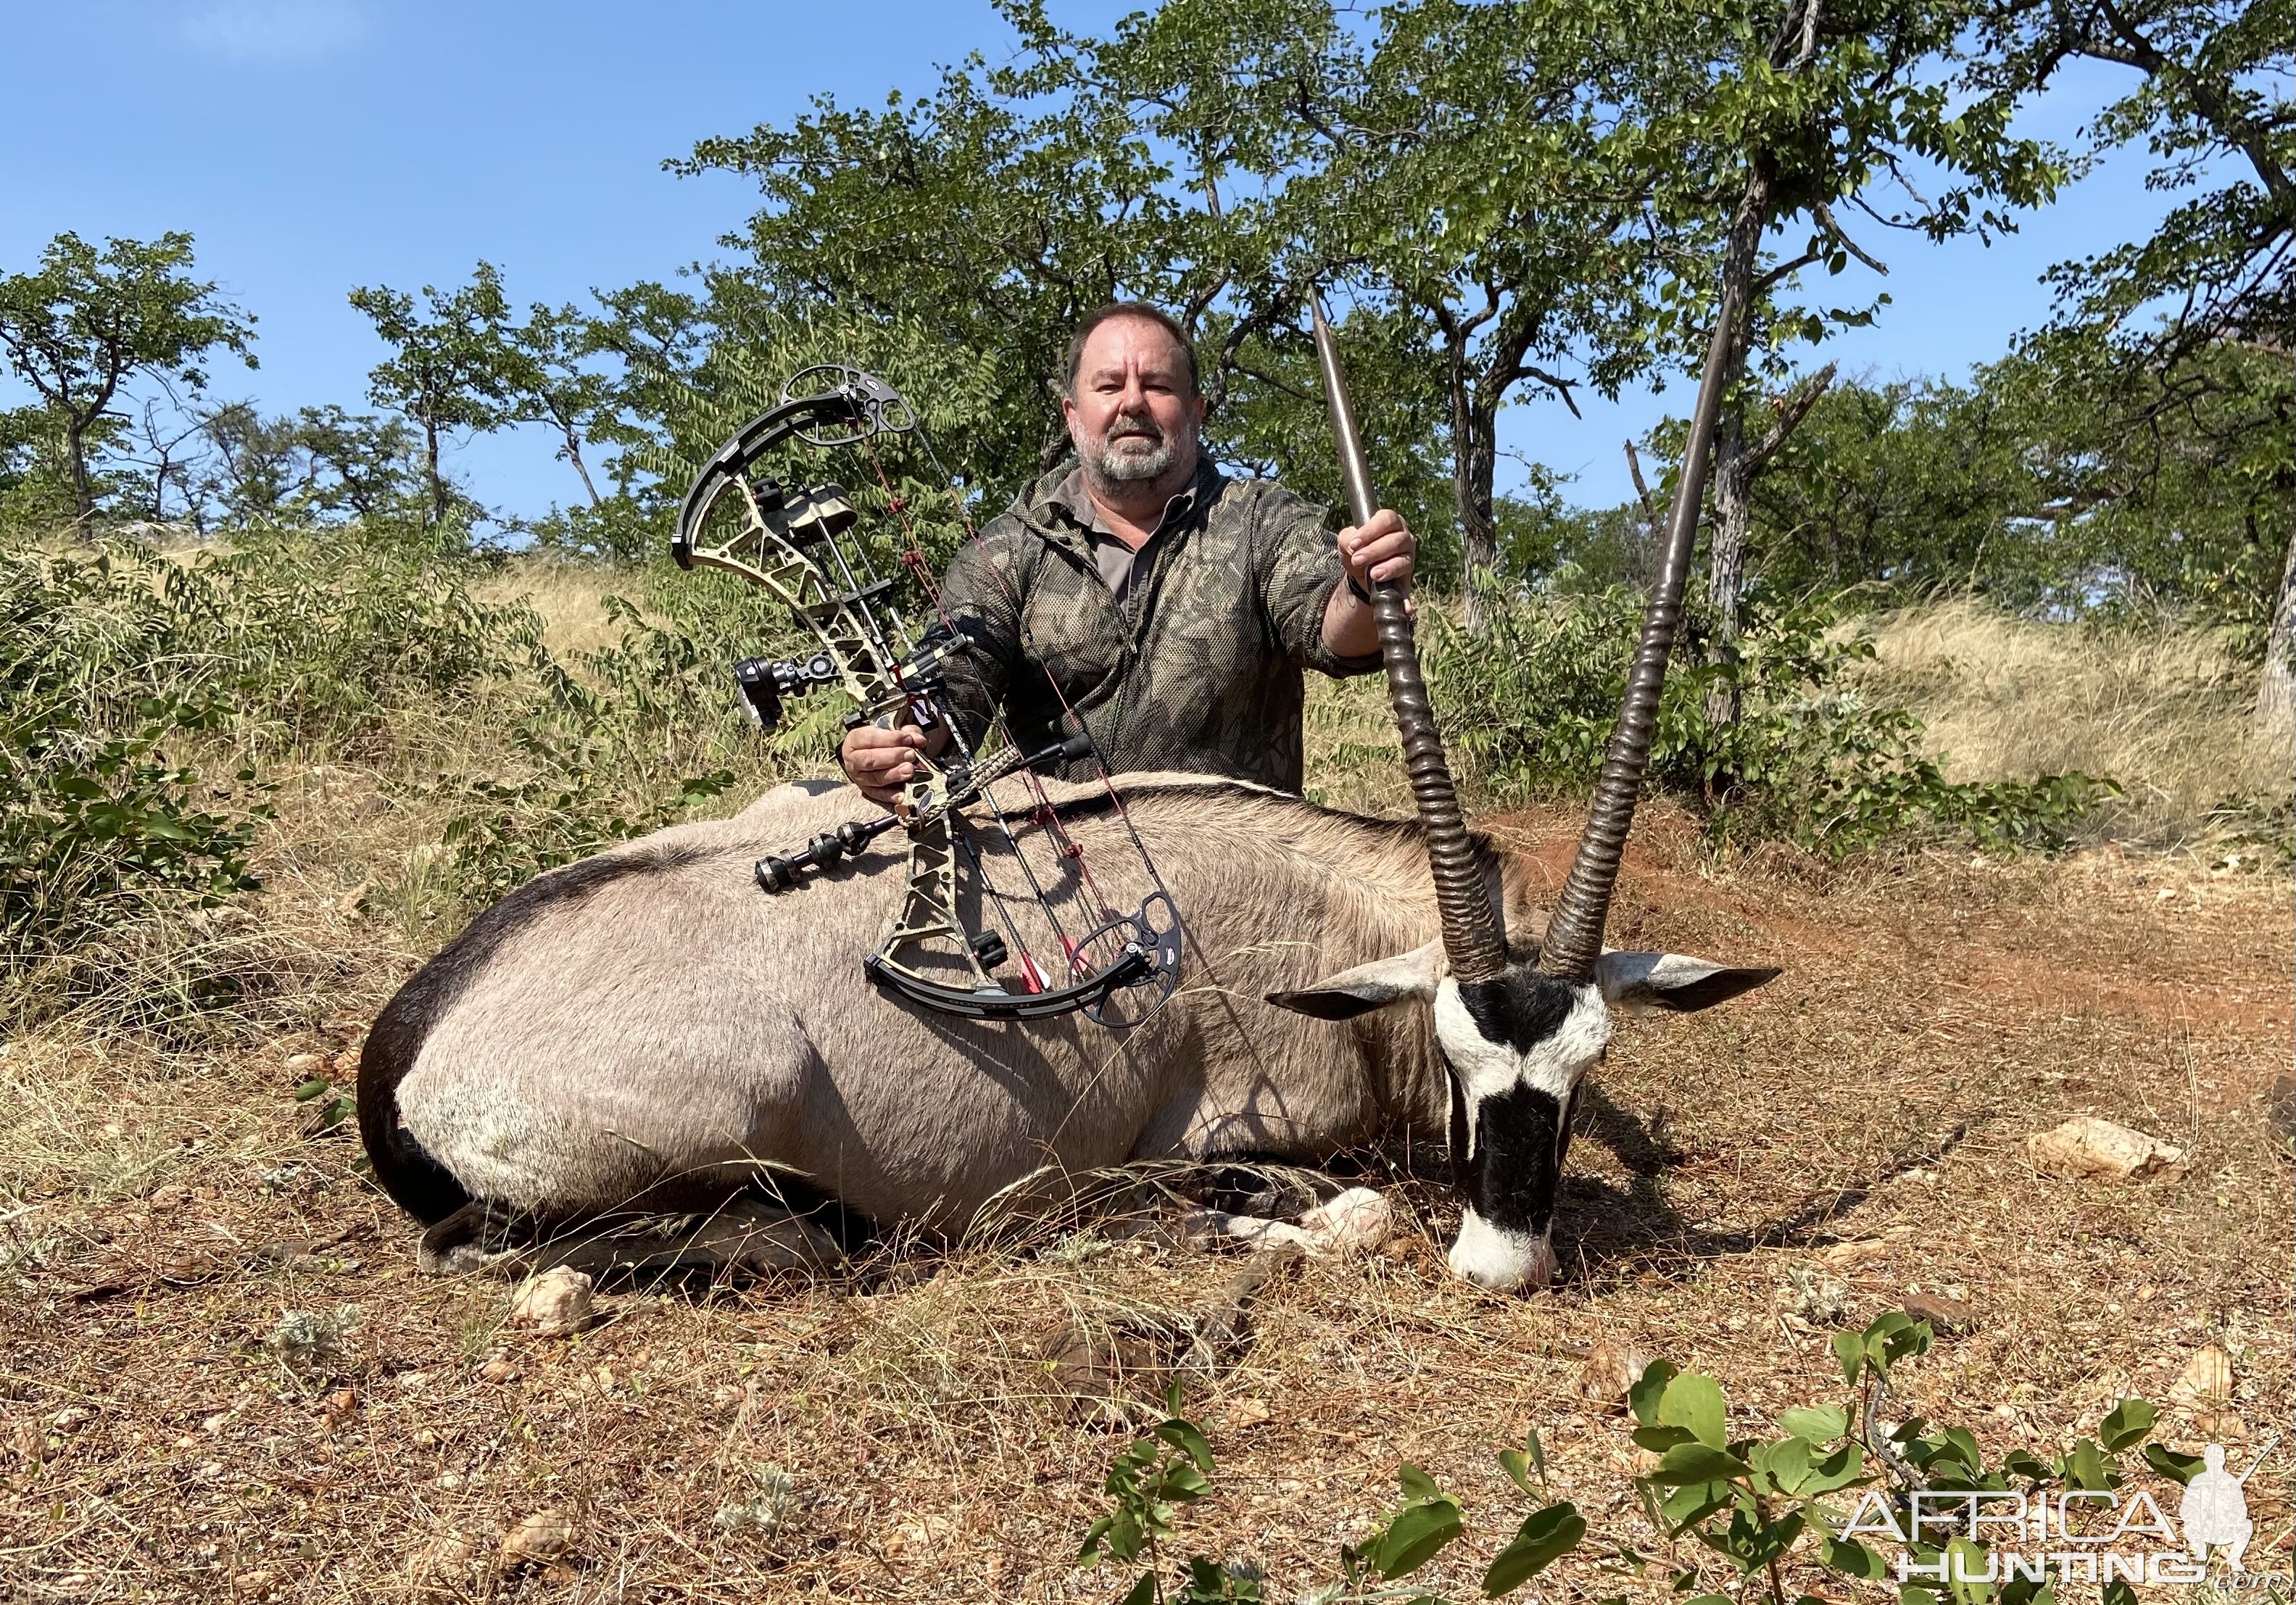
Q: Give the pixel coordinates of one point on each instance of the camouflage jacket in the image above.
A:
(1197, 668)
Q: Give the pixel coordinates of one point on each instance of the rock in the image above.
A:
(1610, 1372)
(1819, 1299)
(1948, 1317)
(1355, 1222)
(497, 1368)
(543, 1536)
(305, 1064)
(2206, 1380)
(556, 1303)
(2086, 1146)
(1841, 1256)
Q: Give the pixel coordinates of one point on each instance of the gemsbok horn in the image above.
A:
(1516, 1038)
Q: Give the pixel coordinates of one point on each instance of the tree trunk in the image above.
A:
(431, 467)
(83, 488)
(1725, 576)
(1727, 556)
(1474, 465)
(574, 455)
(1474, 458)
(2275, 726)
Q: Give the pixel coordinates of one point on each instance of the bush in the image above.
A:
(96, 830)
(119, 666)
(1529, 707)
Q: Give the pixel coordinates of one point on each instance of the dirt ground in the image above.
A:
(221, 1377)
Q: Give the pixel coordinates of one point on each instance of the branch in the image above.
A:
(1782, 270)
(1562, 387)
(1791, 412)
(1635, 467)
(1834, 230)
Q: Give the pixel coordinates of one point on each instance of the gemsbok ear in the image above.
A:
(1368, 986)
(1637, 982)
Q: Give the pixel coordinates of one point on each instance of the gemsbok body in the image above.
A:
(645, 1032)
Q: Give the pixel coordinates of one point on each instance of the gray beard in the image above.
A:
(1114, 466)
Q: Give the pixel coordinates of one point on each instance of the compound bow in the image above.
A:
(798, 544)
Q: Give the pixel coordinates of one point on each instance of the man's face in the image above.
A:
(1134, 415)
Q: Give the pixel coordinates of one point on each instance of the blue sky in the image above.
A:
(314, 145)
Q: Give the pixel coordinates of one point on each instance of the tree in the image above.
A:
(256, 466)
(89, 321)
(1827, 107)
(991, 214)
(1481, 179)
(453, 368)
(2210, 99)
(358, 465)
(551, 381)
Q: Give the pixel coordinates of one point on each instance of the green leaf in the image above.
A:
(1851, 1558)
(1849, 1348)
(1658, 1440)
(1183, 1482)
(1838, 1469)
(1189, 1439)
(1687, 1464)
(1417, 1484)
(1687, 1506)
(1786, 1463)
(1143, 1592)
(1643, 1397)
(1695, 1403)
(2178, 1469)
(1522, 1465)
(1088, 1553)
(1965, 1558)
(1544, 1536)
(1815, 1423)
(2086, 1467)
(311, 1089)
(1418, 1532)
(2129, 1422)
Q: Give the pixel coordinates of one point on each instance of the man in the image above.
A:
(1142, 591)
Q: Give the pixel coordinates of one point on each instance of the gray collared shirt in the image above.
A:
(1116, 561)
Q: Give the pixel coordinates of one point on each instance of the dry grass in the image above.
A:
(2163, 711)
(166, 1201)
(568, 595)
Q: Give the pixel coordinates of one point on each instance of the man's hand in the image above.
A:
(1382, 549)
(880, 762)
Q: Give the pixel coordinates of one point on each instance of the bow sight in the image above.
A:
(799, 544)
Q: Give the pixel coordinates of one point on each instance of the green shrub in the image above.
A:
(1529, 707)
(95, 830)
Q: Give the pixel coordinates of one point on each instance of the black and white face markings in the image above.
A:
(1518, 1046)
